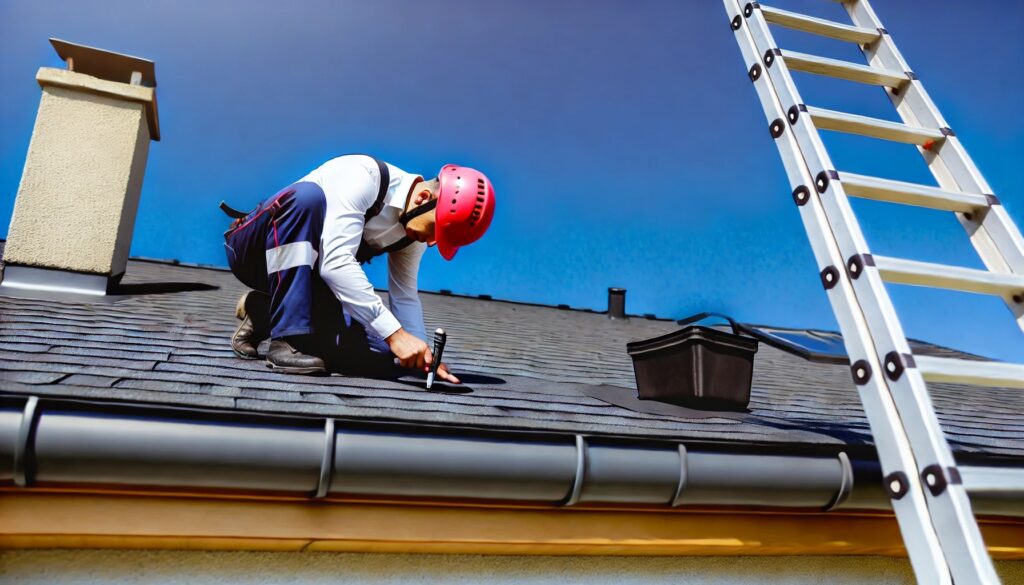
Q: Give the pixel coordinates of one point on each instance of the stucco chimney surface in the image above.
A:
(79, 191)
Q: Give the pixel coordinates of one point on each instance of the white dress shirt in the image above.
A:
(350, 185)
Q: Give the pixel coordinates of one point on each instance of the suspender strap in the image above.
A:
(382, 190)
(367, 252)
(403, 243)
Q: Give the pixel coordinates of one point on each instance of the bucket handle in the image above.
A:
(736, 328)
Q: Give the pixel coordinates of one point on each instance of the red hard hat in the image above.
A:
(465, 207)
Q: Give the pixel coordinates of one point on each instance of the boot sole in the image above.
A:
(293, 370)
(244, 356)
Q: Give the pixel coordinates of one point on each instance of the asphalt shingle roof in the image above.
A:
(526, 367)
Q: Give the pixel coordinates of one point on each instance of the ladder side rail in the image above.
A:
(950, 507)
(994, 233)
(894, 449)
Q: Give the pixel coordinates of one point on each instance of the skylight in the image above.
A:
(816, 346)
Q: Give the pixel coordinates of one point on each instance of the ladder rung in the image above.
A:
(901, 271)
(819, 26)
(972, 372)
(865, 126)
(843, 69)
(979, 479)
(910, 193)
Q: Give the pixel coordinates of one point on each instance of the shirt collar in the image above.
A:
(398, 187)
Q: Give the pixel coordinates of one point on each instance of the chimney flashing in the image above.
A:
(50, 284)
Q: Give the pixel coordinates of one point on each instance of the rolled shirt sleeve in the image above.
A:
(351, 189)
(403, 295)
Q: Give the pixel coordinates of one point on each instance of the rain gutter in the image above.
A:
(53, 442)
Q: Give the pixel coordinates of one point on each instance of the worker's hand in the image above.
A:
(444, 374)
(411, 351)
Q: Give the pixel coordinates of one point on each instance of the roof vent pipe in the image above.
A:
(616, 303)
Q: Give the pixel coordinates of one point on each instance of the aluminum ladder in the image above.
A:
(920, 475)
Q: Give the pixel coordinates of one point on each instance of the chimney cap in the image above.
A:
(105, 64)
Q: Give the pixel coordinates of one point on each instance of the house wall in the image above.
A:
(86, 567)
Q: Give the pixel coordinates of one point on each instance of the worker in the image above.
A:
(301, 250)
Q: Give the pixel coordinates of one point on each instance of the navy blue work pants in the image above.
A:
(275, 250)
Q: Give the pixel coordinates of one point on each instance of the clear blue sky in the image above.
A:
(626, 144)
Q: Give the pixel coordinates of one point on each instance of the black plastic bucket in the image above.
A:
(698, 367)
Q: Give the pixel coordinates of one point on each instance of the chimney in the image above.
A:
(617, 303)
(74, 215)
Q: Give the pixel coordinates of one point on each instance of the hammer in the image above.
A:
(439, 340)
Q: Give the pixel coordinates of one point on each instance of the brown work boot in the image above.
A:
(292, 355)
(253, 309)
